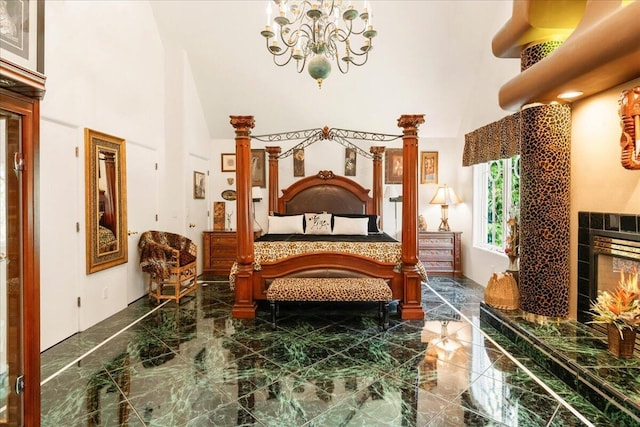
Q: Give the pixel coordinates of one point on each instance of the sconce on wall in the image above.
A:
(445, 196)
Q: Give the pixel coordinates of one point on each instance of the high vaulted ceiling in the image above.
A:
(430, 57)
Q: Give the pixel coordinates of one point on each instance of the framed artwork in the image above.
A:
(105, 200)
(228, 162)
(199, 185)
(350, 162)
(22, 33)
(393, 166)
(298, 162)
(428, 167)
(219, 211)
(258, 171)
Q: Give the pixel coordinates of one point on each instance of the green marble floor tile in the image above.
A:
(231, 414)
(459, 416)
(192, 364)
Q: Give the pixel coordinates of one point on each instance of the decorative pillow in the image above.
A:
(373, 220)
(284, 214)
(317, 223)
(286, 224)
(353, 226)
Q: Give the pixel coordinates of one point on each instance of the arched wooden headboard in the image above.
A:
(325, 192)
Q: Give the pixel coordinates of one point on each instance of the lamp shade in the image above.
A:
(256, 193)
(391, 192)
(445, 196)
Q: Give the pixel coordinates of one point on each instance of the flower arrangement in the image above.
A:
(513, 237)
(621, 307)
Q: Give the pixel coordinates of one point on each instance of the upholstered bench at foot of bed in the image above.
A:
(312, 289)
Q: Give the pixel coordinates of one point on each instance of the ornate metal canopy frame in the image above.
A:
(341, 136)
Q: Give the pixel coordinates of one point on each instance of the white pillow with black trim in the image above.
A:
(317, 223)
(350, 226)
(291, 224)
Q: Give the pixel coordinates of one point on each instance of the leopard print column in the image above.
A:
(544, 210)
(536, 52)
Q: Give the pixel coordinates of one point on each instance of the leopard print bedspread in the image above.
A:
(273, 251)
(268, 252)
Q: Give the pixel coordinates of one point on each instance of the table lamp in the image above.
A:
(445, 196)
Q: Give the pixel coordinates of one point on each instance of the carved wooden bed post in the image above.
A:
(377, 181)
(273, 191)
(411, 307)
(245, 306)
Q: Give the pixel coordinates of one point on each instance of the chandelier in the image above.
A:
(318, 32)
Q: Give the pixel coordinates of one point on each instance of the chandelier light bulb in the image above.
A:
(268, 13)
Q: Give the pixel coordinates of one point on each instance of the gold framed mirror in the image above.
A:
(106, 200)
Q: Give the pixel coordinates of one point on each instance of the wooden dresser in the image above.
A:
(440, 252)
(220, 249)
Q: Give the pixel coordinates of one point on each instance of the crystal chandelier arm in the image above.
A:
(277, 55)
(342, 34)
(364, 55)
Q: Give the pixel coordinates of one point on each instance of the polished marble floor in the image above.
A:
(323, 365)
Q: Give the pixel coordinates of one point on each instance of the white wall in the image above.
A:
(107, 70)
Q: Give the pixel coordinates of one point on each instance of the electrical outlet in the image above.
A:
(105, 293)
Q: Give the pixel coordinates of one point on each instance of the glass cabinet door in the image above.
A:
(11, 353)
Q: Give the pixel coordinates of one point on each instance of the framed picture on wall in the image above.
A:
(22, 33)
(428, 167)
(258, 170)
(349, 162)
(199, 185)
(393, 166)
(219, 211)
(228, 162)
(298, 162)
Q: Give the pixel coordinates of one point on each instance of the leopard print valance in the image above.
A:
(497, 140)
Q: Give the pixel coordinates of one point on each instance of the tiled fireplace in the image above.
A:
(607, 244)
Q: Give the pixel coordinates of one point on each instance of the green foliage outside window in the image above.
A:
(502, 187)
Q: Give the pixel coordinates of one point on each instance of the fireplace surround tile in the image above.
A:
(612, 222)
(583, 252)
(628, 223)
(583, 235)
(596, 220)
(583, 219)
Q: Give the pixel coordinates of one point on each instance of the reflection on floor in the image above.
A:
(323, 365)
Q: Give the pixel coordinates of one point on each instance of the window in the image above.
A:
(498, 194)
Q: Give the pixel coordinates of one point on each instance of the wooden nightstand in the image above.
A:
(220, 251)
(440, 252)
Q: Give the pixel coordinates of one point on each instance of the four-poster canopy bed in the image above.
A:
(260, 262)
